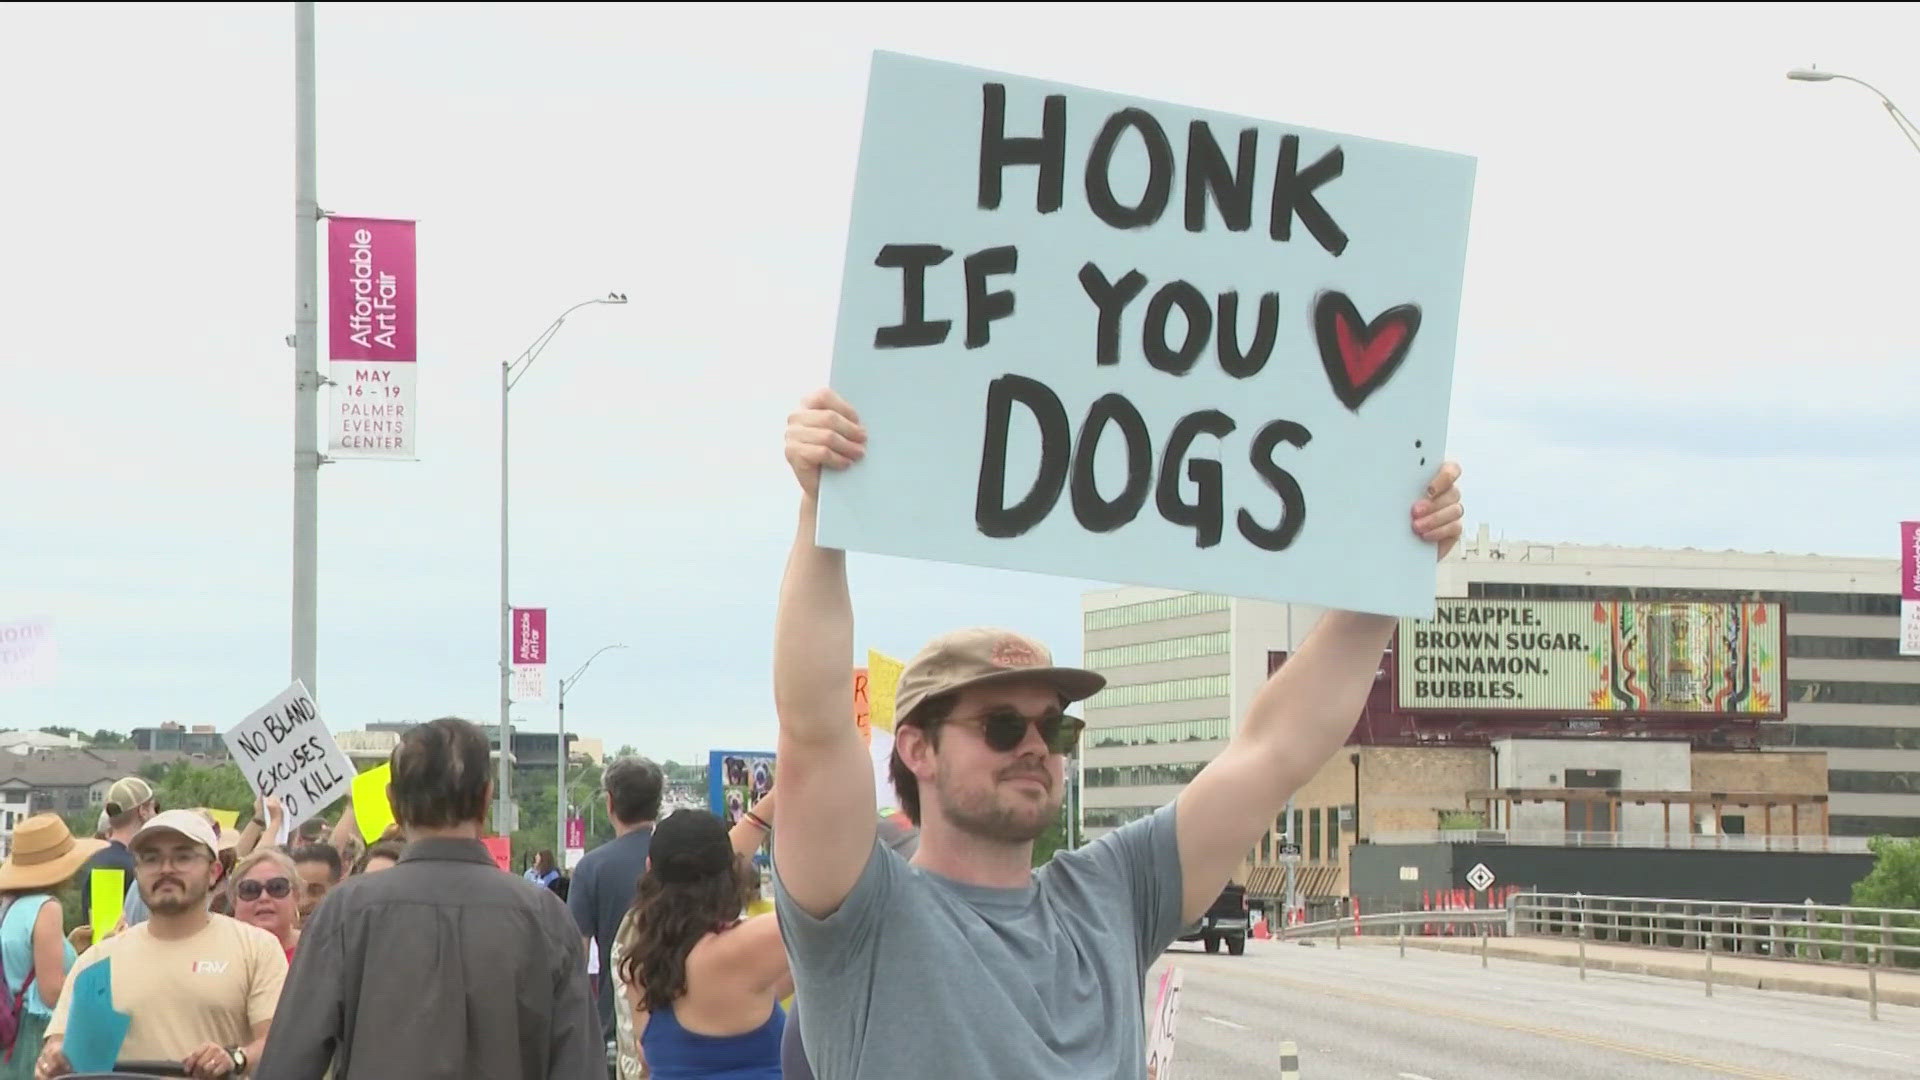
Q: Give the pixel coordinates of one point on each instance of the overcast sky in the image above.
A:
(1688, 315)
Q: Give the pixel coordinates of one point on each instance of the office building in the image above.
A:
(1183, 668)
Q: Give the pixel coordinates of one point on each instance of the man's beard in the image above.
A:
(184, 900)
(984, 815)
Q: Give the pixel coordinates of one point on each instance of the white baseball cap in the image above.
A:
(187, 823)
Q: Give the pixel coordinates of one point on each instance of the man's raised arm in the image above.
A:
(1295, 723)
(824, 820)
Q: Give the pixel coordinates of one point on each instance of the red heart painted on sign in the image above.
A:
(1361, 356)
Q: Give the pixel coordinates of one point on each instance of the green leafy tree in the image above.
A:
(1895, 879)
(82, 823)
(1894, 882)
(1054, 839)
(110, 740)
(185, 784)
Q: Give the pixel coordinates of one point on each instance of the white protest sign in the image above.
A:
(27, 654)
(286, 752)
(1160, 1030)
(1124, 340)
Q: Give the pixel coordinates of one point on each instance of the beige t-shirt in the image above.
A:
(210, 988)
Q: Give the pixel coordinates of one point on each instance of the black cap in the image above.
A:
(689, 846)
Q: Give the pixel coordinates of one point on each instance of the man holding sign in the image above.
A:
(1031, 973)
(1122, 340)
(201, 989)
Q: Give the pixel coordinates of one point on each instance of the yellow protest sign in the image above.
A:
(883, 681)
(370, 806)
(228, 819)
(109, 897)
(860, 718)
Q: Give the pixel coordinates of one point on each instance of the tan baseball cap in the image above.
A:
(126, 794)
(188, 823)
(983, 656)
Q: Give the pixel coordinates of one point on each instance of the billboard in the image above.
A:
(1621, 657)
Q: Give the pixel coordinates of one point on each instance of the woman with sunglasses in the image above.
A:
(262, 895)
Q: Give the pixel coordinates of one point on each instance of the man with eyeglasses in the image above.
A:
(201, 988)
(966, 956)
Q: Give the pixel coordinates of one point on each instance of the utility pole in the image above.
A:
(503, 783)
(1290, 852)
(561, 828)
(306, 356)
(1291, 856)
(510, 373)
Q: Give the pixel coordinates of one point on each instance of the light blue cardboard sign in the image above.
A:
(95, 1029)
(1023, 412)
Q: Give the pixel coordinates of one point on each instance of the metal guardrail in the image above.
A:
(1849, 845)
(1420, 922)
(1806, 932)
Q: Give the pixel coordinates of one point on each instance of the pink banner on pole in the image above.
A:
(370, 289)
(576, 833)
(1910, 560)
(529, 636)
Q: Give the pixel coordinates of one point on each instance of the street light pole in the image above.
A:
(306, 357)
(510, 374)
(561, 826)
(1900, 120)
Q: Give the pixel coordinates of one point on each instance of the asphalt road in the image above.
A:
(1362, 1013)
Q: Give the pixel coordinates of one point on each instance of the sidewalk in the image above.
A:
(1898, 986)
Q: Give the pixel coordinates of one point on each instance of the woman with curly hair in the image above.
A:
(705, 984)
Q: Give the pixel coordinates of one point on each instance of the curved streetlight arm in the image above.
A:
(1900, 120)
(574, 678)
(519, 366)
(1906, 126)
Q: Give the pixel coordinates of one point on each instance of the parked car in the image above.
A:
(1227, 920)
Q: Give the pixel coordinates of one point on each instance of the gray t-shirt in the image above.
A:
(1045, 981)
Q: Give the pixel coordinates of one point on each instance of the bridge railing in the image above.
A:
(1642, 839)
(1808, 932)
(1415, 923)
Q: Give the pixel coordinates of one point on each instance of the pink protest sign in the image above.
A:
(501, 848)
(370, 289)
(1910, 560)
(529, 635)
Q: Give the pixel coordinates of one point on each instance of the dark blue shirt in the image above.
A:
(602, 891)
(114, 856)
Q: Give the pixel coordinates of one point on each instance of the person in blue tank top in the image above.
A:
(705, 985)
(35, 954)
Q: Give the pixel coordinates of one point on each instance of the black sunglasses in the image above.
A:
(279, 888)
(1006, 729)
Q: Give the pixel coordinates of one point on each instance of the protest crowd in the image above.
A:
(284, 954)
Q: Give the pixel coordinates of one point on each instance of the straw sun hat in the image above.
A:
(44, 854)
